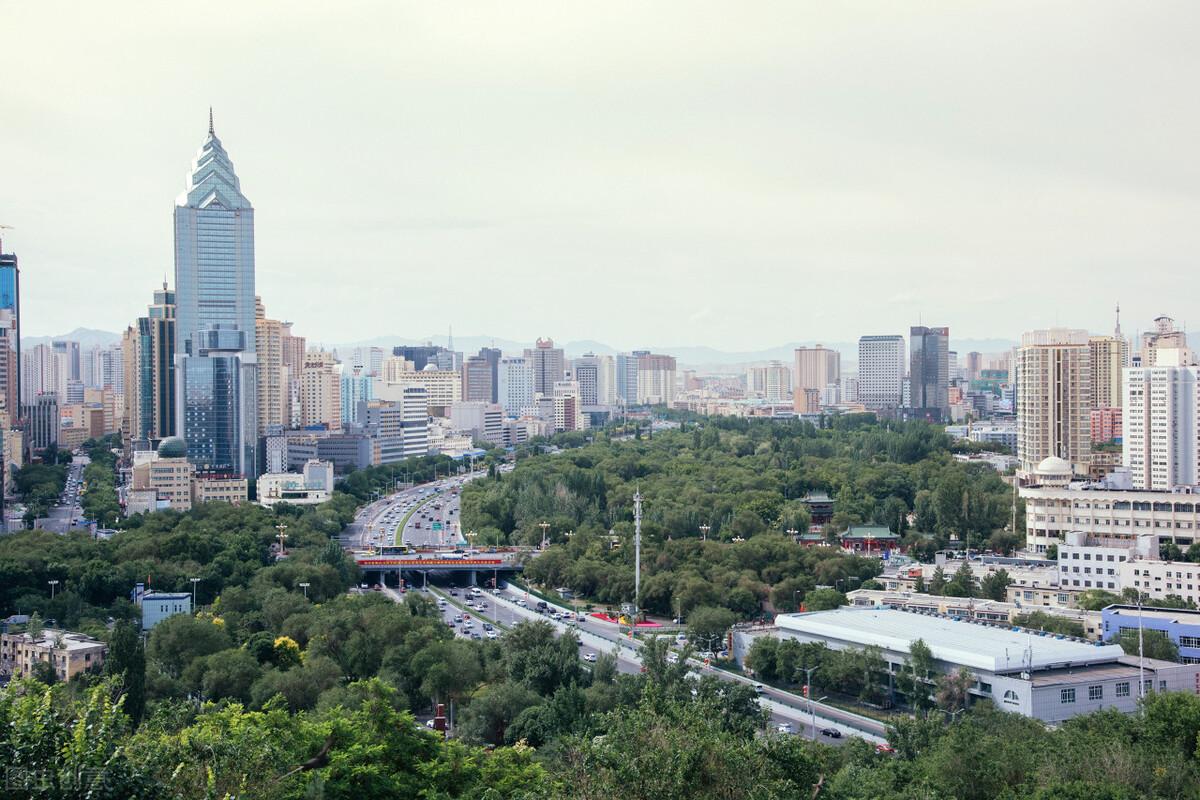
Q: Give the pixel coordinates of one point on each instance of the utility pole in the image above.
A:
(637, 552)
(544, 526)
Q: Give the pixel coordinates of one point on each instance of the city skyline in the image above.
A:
(747, 158)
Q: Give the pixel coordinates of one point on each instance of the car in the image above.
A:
(784, 727)
(884, 749)
(450, 622)
(672, 658)
(832, 733)
(487, 626)
(759, 688)
(476, 636)
(429, 724)
(457, 618)
(492, 634)
(589, 657)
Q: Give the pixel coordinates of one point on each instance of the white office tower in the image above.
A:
(515, 385)
(414, 421)
(1162, 423)
(606, 383)
(1054, 397)
(771, 381)
(881, 363)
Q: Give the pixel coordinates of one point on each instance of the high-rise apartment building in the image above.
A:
(515, 385)
(41, 373)
(1054, 396)
(215, 311)
(656, 380)
(929, 372)
(881, 362)
(548, 366)
(273, 376)
(627, 374)
(1109, 356)
(357, 389)
(816, 368)
(1165, 336)
(68, 353)
(292, 349)
(771, 381)
(1161, 425)
(588, 373)
(320, 390)
(442, 387)
(149, 370)
(479, 380)
(44, 422)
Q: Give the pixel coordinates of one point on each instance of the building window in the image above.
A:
(1066, 696)
(1123, 689)
(1189, 641)
(1095, 693)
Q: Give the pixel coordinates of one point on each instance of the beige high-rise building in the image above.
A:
(273, 394)
(320, 390)
(1110, 355)
(444, 386)
(1054, 399)
(816, 368)
(1166, 337)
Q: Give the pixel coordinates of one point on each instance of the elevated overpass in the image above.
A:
(469, 564)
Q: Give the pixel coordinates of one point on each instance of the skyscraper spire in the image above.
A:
(1117, 332)
(210, 123)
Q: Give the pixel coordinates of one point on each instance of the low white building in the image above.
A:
(311, 486)
(1045, 676)
(1106, 509)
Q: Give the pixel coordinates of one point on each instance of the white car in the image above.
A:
(590, 658)
(759, 688)
(672, 658)
(784, 727)
(492, 635)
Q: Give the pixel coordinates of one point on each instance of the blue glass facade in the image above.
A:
(216, 405)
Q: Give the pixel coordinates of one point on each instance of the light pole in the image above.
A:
(704, 529)
(194, 582)
(544, 526)
(282, 536)
(304, 585)
(808, 692)
(796, 600)
(792, 532)
(52, 583)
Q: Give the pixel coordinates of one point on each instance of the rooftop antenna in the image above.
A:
(210, 122)
(1117, 332)
(450, 339)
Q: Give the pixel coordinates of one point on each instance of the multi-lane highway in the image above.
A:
(407, 517)
(67, 512)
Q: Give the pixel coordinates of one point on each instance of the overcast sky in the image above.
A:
(730, 174)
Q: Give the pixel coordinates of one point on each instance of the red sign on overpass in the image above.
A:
(430, 562)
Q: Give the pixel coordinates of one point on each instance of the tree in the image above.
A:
(824, 600)
(953, 690)
(963, 583)
(937, 584)
(126, 663)
(1096, 599)
(1155, 644)
(708, 625)
(1040, 620)
(176, 641)
(994, 586)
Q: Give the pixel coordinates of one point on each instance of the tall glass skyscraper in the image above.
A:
(216, 395)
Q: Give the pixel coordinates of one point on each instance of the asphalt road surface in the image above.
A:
(67, 513)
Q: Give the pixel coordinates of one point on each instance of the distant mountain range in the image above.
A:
(87, 338)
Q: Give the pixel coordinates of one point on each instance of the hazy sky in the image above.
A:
(731, 174)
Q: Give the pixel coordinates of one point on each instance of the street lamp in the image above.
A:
(544, 526)
(808, 692)
(52, 583)
(282, 536)
(704, 529)
(304, 585)
(795, 599)
(194, 582)
(792, 532)
(737, 540)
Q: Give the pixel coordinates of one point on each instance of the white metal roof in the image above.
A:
(977, 646)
